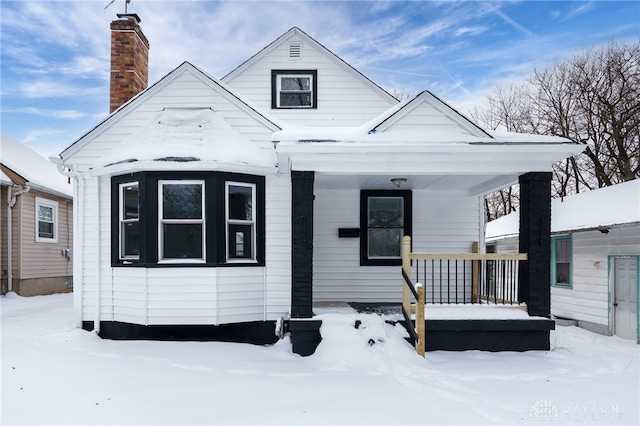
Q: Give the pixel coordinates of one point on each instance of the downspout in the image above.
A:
(78, 235)
(11, 201)
(96, 248)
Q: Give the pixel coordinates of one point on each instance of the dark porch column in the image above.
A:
(535, 240)
(302, 244)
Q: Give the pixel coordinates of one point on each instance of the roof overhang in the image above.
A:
(142, 166)
(474, 167)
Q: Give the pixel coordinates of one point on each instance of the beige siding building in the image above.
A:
(36, 223)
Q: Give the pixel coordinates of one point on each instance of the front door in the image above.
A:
(625, 305)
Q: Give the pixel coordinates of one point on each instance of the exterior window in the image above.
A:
(161, 219)
(294, 89)
(561, 261)
(240, 220)
(181, 221)
(385, 218)
(46, 220)
(129, 218)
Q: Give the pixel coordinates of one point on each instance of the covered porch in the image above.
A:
(512, 292)
(420, 169)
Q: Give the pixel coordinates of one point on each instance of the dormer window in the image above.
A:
(292, 89)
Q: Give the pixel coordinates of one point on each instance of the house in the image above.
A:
(595, 251)
(216, 209)
(35, 223)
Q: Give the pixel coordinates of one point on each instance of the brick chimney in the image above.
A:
(129, 60)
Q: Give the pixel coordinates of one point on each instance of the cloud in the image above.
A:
(511, 22)
(579, 9)
(48, 87)
(470, 30)
(44, 112)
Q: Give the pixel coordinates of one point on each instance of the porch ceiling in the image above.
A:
(471, 184)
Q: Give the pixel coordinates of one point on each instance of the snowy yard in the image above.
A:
(53, 373)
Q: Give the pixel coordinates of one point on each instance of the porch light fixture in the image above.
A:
(398, 181)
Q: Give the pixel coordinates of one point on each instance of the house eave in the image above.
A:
(129, 106)
(138, 166)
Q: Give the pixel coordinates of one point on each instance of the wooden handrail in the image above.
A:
(418, 333)
(467, 256)
(474, 266)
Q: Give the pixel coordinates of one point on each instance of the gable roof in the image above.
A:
(405, 124)
(295, 31)
(600, 208)
(155, 88)
(429, 99)
(22, 165)
(187, 136)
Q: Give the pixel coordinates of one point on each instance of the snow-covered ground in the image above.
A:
(53, 373)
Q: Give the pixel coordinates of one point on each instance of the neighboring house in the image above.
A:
(36, 221)
(595, 252)
(216, 208)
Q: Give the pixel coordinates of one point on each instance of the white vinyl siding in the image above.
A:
(343, 98)
(588, 299)
(428, 116)
(337, 271)
(186, 91)
(189, 295)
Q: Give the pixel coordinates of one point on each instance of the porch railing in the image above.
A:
(459, 278)
(455, 278)
(417, 291)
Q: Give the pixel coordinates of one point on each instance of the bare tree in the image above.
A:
(592, 98)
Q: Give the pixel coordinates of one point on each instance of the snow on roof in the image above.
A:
(187, 135)
(365, 135)
(613, 205)
(368, 133)
(40, 173)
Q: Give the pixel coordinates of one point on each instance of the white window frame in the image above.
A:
(122, 220)
(54, 206)
(162, 221)
(279, 90)
(229, 221)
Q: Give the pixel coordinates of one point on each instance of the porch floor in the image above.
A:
(437, 311)
(465, 326)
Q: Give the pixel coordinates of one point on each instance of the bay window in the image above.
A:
(181, 221)
(187, 218)
(129, 220)
(240, 218)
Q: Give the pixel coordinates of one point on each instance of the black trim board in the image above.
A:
(257, 332)
(488, 335)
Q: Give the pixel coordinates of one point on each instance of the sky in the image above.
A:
(55, 54)
(56, 374)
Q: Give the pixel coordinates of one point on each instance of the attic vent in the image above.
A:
(295, 50)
